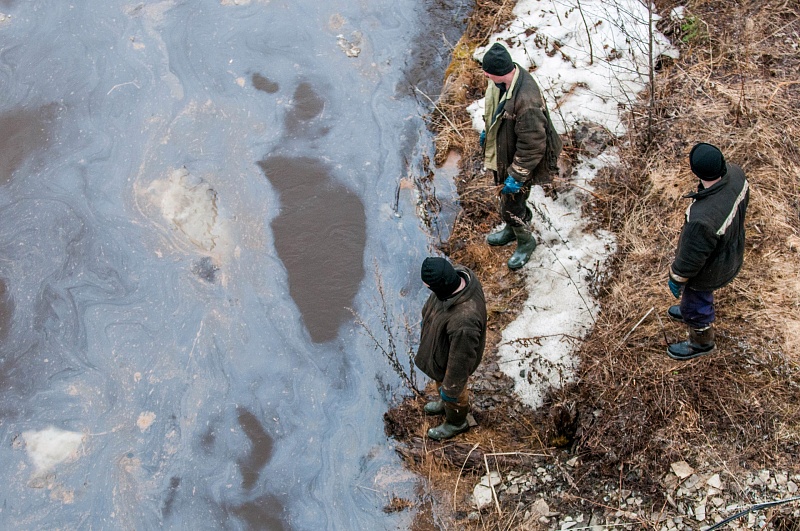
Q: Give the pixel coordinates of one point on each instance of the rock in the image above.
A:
(592, 138)
(482, 496)
(700, 512)
(692, 483)
(682, 469)
(714, 481)
(791, 486)
(541, 508)
(492, 479)
(717, 502)
(781, 478)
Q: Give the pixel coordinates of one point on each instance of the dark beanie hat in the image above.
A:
(440, 277)
(497, 61)
(707, 161)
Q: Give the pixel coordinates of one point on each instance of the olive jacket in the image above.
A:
(711, 246)
(453, 335)
(516, 138)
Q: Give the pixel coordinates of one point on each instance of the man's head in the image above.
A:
(440, 277)
(707, 162)
(497, 62)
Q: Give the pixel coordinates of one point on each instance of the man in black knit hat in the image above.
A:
(452, 340)
(711, 247)
(515, 145)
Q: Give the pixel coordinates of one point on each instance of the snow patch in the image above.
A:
(49, 447)
(591, 61)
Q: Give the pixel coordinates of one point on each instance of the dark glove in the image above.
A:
(482, 138)
(445, 397)
(676, 287)
(511, 186)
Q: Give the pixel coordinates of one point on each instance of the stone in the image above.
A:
(482, 496)
(492, 479)
(592, 138)
(764, 476)
(781, 478)
(541, 508)
(682, 469)
(700, 512)
(791, 486)
(714, 481)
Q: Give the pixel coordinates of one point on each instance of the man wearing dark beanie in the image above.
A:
(516, 147)
(452, 340)
(710, 249)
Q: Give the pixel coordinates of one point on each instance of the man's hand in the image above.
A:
(676, 287)
(482, 138)
(511, 186)
(445, 397)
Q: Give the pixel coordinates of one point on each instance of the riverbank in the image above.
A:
(636, 439)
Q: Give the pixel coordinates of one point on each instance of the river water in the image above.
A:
(193, 197)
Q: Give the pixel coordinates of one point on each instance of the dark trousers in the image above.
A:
(697, 308)
(514, 207)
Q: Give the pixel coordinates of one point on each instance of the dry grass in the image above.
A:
(737, 86)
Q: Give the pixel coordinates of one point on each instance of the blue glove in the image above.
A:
(511, 186)
(676, 287)
(445, 397)
(482, 138)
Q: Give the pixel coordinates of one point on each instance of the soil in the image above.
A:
(606, 447)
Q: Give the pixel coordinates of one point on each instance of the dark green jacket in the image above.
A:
(515, 130)
(711, 247)
(453, 335)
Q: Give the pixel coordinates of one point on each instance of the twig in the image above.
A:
(588, 35)
(636, 325)
(461, 471)
(441, 112)
(783, 84)
(491, 486)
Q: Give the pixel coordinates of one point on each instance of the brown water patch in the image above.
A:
(264, 84)
(260, 514)
(320, 236)
(306, 105)
(24, 132)
(261, 444)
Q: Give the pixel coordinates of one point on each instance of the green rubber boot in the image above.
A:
(434, 408)
(501, 237)
(526, 244)
(455, 423)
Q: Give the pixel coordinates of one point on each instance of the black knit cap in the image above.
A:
(497, 61)
(707, 161)
(440, 276)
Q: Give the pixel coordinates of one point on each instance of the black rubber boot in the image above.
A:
(674, 313)
(501, 237)
(455, 423)
(526, 244)
(701, 341)
(434, 408)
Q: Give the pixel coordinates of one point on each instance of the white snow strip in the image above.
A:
(591, 62)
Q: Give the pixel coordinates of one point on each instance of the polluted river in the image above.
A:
(208, 223)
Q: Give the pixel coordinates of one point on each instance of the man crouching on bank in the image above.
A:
(452, 340)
